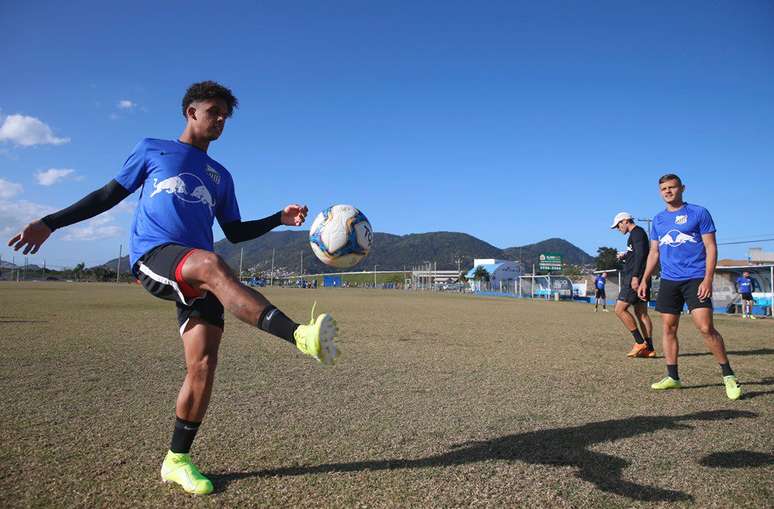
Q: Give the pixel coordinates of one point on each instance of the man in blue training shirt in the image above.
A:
(744, 286)
(599, 283)
(683, 239)
(182, 191)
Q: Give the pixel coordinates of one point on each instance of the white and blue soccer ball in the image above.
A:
(341, 236)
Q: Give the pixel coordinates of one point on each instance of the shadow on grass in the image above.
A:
(737, 459)
(559, 447)
(758, 351)
(23, 321)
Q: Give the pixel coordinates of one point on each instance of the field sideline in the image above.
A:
(439, 400)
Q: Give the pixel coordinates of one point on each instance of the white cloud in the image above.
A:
(53, 175)
(127, 206)
(100, 227)
(28, 131)
(126, 104)
(15, 214)
(9, 189)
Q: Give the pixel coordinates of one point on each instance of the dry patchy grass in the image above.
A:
(439, 400)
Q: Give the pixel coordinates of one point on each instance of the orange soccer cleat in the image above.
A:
(638, 350)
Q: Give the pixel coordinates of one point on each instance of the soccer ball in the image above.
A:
(341, 236)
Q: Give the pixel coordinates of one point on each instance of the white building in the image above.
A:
(501, 272)
(757, 255)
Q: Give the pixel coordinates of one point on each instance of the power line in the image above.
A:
(747, 236)
(744, 242)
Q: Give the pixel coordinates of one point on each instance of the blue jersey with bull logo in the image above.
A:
(680, 246)
(183, 191)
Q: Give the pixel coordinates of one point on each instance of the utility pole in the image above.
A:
(647, 220)
(118, 263)
(302, 264)
(271, 282)
(241, 253)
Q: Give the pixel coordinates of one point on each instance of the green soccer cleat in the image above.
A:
(733, 390)
(667, 383)
(316, 338)
(179, 469)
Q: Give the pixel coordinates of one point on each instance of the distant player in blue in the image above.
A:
(182, 191)
(745, 286)
(683, 239)
(599, 284)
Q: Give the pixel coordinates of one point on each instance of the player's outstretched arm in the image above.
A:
(32, 236)
(35, 234)
(240, 231)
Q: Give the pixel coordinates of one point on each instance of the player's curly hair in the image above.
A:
(209, 90)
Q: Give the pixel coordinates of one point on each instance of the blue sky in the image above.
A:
(511, 121)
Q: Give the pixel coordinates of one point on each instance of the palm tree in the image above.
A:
(481, 274)
(78, 270)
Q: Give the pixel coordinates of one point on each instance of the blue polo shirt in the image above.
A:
(744, 284)
(599, 282)
(680, 246)
(183, 190)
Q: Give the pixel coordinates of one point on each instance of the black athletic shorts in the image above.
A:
(160, 272)
(672, 295)
(629, 295)
(600, 294)
(747, 296)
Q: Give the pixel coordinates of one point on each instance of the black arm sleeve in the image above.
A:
(641, 248)
(238, 231)
(93, 204)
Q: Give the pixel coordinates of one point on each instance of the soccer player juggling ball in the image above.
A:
(683, 239)
(182, 191)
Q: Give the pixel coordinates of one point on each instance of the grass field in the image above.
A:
(439, 400)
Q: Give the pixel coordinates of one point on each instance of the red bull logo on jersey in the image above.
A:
(172, 185)
(674, 238)
(186, 187)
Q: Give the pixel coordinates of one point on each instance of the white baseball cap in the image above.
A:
(620, 217)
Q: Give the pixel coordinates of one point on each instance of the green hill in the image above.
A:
(448, 250)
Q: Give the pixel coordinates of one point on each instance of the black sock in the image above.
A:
(183, 436)
(275, 322)
(649, 342)
(637, 336)
(672, 371)
(727, 371)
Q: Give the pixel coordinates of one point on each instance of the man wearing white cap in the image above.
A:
(633, 268)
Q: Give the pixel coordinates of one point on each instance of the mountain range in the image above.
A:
(447, 250)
